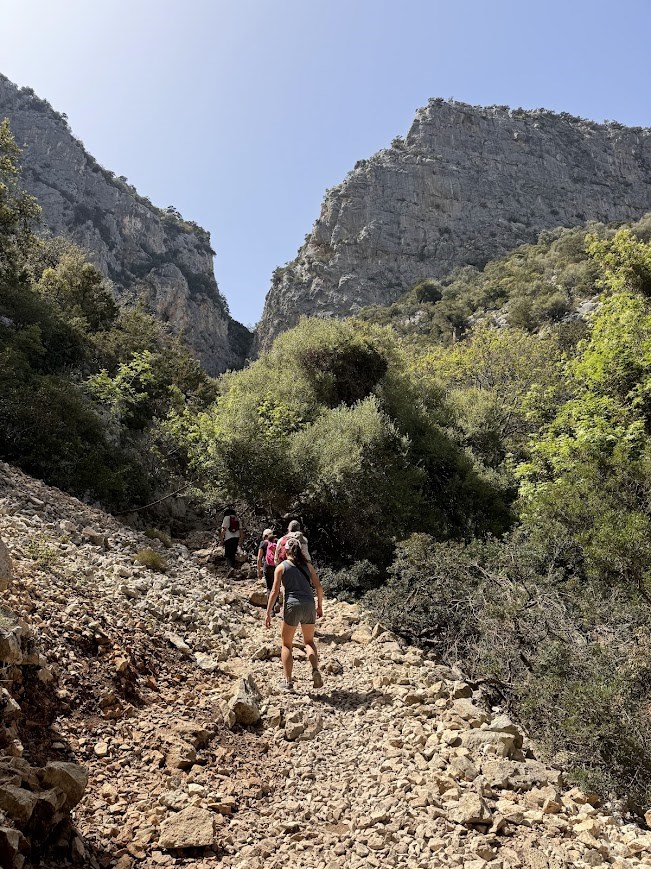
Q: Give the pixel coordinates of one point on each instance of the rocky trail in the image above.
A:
(143, 726)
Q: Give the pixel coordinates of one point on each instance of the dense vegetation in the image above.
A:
(555, 615)
(537, 285)
(84, 385)
(474, 459)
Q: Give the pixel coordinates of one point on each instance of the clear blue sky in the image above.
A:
(242, 113)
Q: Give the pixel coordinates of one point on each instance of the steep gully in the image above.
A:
(143, 680)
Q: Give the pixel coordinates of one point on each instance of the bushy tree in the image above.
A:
(330, 424)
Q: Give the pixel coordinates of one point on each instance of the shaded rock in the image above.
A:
(13, 846)
(244, 702)
(9, 709)
(333, 667)
(18, 803)
(10, 647)
(71, 778)
(258, 598)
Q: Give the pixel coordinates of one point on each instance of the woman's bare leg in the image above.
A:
(287, 635)
(310, 645)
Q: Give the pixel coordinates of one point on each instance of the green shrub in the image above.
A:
(85, 388)
(155, 534)
(43, 551)
(568, 656)
(152, 560)
(350, 583)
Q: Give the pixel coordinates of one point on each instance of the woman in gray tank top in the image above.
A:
(299, 580)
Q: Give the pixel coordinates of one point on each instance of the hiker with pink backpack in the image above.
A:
(231, 535)
(266, 558)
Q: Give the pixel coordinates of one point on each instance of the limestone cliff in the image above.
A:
(147, 252)
(465, 185)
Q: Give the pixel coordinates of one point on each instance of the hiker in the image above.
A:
(266, 556)
(293, 530)
(231, 535)
(299, 580)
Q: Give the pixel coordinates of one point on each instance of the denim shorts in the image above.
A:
(301, 612)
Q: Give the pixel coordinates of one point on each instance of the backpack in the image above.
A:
(233, 523)
(270, 554)
(282, 549)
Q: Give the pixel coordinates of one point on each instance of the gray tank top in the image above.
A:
(296, 584)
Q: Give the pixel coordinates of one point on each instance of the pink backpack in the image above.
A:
(270, 554)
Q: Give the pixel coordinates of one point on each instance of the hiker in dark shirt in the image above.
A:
(299, 580)
(231, 535)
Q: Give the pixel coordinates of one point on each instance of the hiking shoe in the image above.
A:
(317, 678)
(287, 687)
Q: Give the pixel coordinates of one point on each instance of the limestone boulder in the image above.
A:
(13, 847)
(245, 702)
(192, 827)
(17, 803)
(480, 742)
(503, 724)
(471, 810)
(10, 646)
(94, 537)
(258, 598)
(180, 755)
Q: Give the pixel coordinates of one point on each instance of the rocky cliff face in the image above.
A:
(148, 253)
(467, 184)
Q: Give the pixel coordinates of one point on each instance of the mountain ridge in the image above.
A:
(465, 185)
(149, 254)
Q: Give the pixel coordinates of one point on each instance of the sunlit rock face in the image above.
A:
(150, 254)
(465, 185)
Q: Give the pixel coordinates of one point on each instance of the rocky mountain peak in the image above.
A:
(465, 185)
(150, 254)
